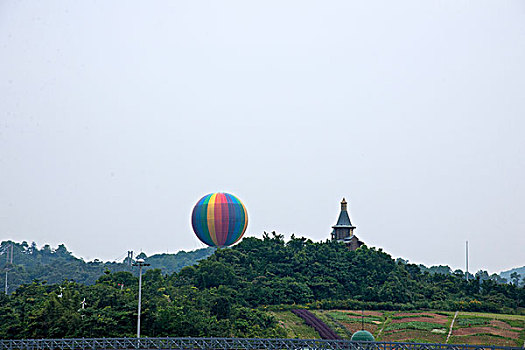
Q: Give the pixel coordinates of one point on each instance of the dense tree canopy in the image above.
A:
(227, 293)
(58, 265)
(272, 271)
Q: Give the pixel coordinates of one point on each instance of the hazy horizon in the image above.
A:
(116, 117)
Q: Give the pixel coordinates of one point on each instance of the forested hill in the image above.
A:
(230, 292)
(272, 271)
(515, 275)
(57, 265)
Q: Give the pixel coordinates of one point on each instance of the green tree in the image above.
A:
(515, 278)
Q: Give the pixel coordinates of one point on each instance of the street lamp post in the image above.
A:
(6, 269)
(140, 263)
(8, 262)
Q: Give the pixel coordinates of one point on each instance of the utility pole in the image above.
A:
(140, 263)
(466, 248)
(8, 260)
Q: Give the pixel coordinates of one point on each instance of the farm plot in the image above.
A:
(421, 327)
(412, 335)
(424, 317)
(488, 329)
(347, 322)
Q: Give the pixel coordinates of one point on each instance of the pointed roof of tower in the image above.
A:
(344, 219)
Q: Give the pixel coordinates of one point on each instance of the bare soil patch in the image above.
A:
(412, 314)
(408, 335)
(482, 340)
(486, 330)
(504, 325)
(353, 318)
(438, 320)
(354, 327)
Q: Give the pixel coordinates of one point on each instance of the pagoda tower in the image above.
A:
(343, 230)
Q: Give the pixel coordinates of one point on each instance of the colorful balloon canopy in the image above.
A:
(219, 219)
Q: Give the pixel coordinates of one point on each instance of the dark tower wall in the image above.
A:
(343, 230)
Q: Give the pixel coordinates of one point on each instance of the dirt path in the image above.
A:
(381, 330)
(451, 326)
(322, 328)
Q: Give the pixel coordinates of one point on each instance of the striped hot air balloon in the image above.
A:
(219, 219)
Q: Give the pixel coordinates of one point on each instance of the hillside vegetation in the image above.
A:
(58, 265)
(240, 292)
(515, 275)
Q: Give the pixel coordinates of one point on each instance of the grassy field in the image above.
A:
(295, 326)
(420, 327)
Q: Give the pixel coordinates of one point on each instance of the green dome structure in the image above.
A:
(363, 336)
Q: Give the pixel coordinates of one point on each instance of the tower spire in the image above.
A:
(343, 204)
(343, 230)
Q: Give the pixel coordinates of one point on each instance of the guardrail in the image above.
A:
(225, 344)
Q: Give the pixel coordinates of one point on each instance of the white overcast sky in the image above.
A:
(117, 116)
